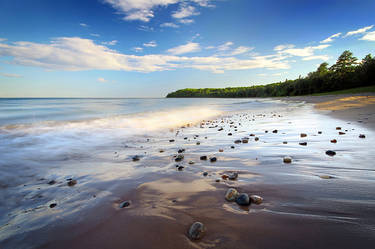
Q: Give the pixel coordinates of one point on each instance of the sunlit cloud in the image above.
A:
(84, 25)
(185, 11)
(11, 75)
(359, 31)
(190, 47)
(369, 36)
(102, 80)
(110, 43)
(151, 44)
(169, 25)
(331, 38)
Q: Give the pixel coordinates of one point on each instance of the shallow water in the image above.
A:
(93, 141)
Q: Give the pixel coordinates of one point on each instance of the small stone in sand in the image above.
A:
(338, 128)
(180, 168)
(341, 133)
(231, 194)
(287, 159)
(205, 173)
(224, 177)
(124, 204)
(185, 138)
(52, 205)
(333, 141)
(303, 143)
(330, 153)
(191, 162)
(232, 147)
(256, 138)
(266, 131)
(252, 135)
(213, 159)
(256, 199)
(274, 131)
(179, 158)
(326, 177)
(221, 150)
(285, 142)
(198, 143)
(71, 183)
(229, 134)
(237, 141)
(243, 199)
(161, 151)
(362, 136)
(319, 132)
(51, 182)
(303, 135)
(196, 231)
(181, 150)
(203, 157)
(245, 141)
(233, 176)
(136, 158)
(171, 140)
(217, 180)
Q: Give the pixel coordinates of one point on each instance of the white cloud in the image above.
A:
(110, 43)
(185, 11)
(150, 44)
(84, 25)
(316, 57)
(241, 50)
(359, 31)
(370, 36)
(78, 54)
(137, 49)
(140, 15)
(186, 21)
(102, 80)
(302, 52)
(93, 34)
(169, 25)
(225, 46)
(283, 46)
(189, 47)
(331, 38)
(11, 75)
(2, 39)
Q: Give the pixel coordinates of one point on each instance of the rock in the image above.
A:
(124, 204)
(205, 173)
(217, 180)
(245, 141)
(224, 177)
(220, 129)
(229, 134)
(362, 136)
(333, 141)
(221, 150)
(181, 151)
(179, 158)
(285, 142)
(198, 143)
(213, 159)
(231, 194)
(136, 158)
(71, 183)
(171, 140)
(256, 199)
(342, 133)
(196, 231)
(330, 153)
(287, 159)
(52, 205)
(303, 135)
(256, 138)
(326, 177)
(161, 151)
(266, 131)
(303, 143)
(243, 199)
(338, 128)
(203, 157)
(185, 138)
(274, 131)
(232, 147)
(252, 135)
(191, 162)
(180, 168)
(237, 141)
(233, 176)
(51, 182)
(319, 132)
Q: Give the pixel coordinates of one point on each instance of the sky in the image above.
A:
(148, 48)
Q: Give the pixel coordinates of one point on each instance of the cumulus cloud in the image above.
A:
(169, 25)
(225, 46)
(185, 11)
(189, 47)
(110, 43)
(151, 44)
(11, 75)
(359, 31)
(331, 38)
(369, 36)
(102, 80)
(78, 54)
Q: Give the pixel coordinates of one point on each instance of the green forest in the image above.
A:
(346, 73)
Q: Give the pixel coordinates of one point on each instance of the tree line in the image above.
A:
(346, 73)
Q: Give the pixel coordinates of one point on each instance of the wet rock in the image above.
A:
(71, 183)
(124, 204)
(303, 135)
(229, 134)
(51, 182)
(330, 153)
(180, 168)
(171, 140)
(52, 205)
(287, 159)
(333, 141)
(266, 131)
(338, 128)
(217, 180)
(181, 151)
(198, 143)
(274, 131)
(285, 142)
(245, 141)
(213, 159)
(179, 158)
(191, 162)
(220, 129)
(256, 138)
(203, 157)
(362, 136)
(237, 141)
(252, 135)
(319, 132)
(221, 150)
(243, 199)
(196, 231)
(233, 176)
(161, 151)
(231, 194)
(185, 138)
(205, 173)
(136, 158)
(303, 143)
(232, 147)
(256, 199)
(326, 177)
(342, 133)
(224, 177)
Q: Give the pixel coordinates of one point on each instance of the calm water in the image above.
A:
(93, 141)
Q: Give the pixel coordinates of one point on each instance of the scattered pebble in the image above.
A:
(179, 158)
(217, 180)
(233, 176)
(124, 204)
(181, 151)
(221, 150)
(203, 157)
(180, 168)
(319, 132)
(326, 177)
(224, 177)
(303, 143)
(51, 182)
(287, 159)
(274, 131)
(333, 141)
(213, 159)
(161, 151)
(136, 158)
(285, 142)
(196, 231)
(245, 140)
(256, 199)
(237, 141)
(231, 194)
(362, 136)
(198, 143)
(256, 138)
(330, 153)
(342, 133)
(171, 140)
(71, 183)
(338, 128)
(303, 135)
(191, 162)
(229, 134)
(205, 173)
(243, 199)
(232, 147)
(52, 205)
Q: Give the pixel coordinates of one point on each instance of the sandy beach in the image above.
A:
(316, 201)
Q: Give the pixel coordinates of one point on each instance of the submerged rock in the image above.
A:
(233, 176)
(205, 173)
(179, 158)
(51, 182)
(203, 157)
(213, 159)
(196, 231)
(256, 199)
(136, 158)
(243, 199)
(191, 162)
(330, 153)
(231, 194)
(72, 182)
(52, 205)
(124, 204)
(287, 159)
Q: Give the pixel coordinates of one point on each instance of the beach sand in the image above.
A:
(314, 202)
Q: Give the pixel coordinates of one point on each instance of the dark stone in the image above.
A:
(51, 182)
(180, 168)
(285, 142)
(243, 199)
(237, 141)
(233, 176)
(342, 133)
(319, 132)
(179, 158)
(362, 136)
(136, 158)
(181, 150)
(205, 174)
(330, 153)
(71, 183)
(213, 159)
(52, 205)
(334, 141)
(229, 134)
(274, 131)
(125, 204)
(256, 138)
(303, 135)
(338, 128)
(232, 147)
(203, 157)
(171, 140)
(196, 231)
(185, 138)
(252, 135)
(198, 143)
(303, 143)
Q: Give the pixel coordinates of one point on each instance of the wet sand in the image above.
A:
(316, 202)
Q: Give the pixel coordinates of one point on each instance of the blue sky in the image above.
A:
(147, 48)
